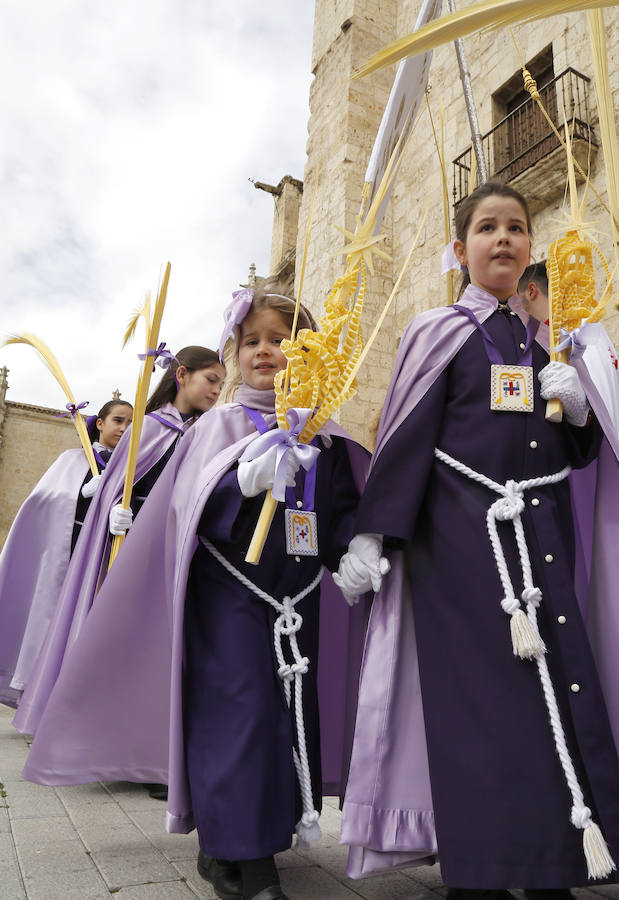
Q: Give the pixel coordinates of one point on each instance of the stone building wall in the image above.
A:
(344, 118)
(287, 197)
(31, 438)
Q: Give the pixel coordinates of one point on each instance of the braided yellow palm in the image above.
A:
(571, 278)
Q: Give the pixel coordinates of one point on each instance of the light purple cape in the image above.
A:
(33, 565)
(116, 711)
(388, 818)
(89, 563)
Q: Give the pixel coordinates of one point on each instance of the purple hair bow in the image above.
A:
(73, 409)
(163, 357)
(286, 442)
(234, 314)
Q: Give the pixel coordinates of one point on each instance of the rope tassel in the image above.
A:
(526, 640)
(308, 830)
(599, 861)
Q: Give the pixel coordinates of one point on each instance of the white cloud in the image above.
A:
(131, 132)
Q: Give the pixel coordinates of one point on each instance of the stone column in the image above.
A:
(344, 119)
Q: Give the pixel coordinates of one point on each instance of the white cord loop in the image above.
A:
(599, 861)
(526, 640)
(287, 624)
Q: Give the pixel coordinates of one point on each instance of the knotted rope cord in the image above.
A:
(509, 507)
(287, 624)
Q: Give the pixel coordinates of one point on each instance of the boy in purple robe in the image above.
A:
(482, 733)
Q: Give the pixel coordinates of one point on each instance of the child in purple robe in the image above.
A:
(252, 739)
(199, 669)
(36, 554)
(595, 346)
(105, 431)
(482, 733)
(189, 387)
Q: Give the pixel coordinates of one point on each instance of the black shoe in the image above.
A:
(271, 893)
(157, 791)
(223, 875)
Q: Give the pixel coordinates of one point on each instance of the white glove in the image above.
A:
(257, 475)
(91, 486)
(561, 381)
(120, 519)
(362, 568)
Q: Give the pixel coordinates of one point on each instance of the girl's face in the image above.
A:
(497, 247)
(112, 428)
(199, 389)
(260, 357)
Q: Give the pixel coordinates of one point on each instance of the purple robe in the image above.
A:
(246, 800)
(88, 565)
(453, 753)
(116, 711)
(33, 565)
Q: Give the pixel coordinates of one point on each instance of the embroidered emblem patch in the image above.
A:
(511, 388)
(301, 533)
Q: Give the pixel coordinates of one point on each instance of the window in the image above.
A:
(522, 147)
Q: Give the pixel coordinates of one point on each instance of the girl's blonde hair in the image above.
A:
(265, 297)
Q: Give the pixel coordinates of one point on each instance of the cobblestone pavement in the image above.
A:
(92, 841)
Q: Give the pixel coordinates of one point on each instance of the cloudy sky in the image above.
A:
(130, 130)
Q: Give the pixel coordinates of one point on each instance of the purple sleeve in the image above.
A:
(226, 511)
(583, 444)
(398, 479)
(336, 490)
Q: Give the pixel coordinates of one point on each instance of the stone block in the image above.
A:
(188, 869)
(120, 868)
(172, 846)
(10, 876)
(27, 800)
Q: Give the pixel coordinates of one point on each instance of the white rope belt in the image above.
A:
(527, 642)
(287, 624)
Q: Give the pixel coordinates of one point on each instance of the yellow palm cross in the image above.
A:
(362, 244)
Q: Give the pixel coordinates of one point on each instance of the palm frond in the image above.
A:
(487, 14)
(141, 312)
(47, 356)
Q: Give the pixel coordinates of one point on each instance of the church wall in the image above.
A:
(344, 118)
(32, 438)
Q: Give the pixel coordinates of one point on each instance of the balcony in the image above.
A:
(522, 148)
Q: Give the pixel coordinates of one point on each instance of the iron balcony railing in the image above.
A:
(524, 137)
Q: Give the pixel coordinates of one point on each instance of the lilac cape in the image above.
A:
(388, 818)
(88, 565)
(116, 710)
(33, 565)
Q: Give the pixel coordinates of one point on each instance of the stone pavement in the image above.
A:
(90, 842)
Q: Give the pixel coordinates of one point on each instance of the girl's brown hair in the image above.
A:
(264, 298)
(192, 359)
(468, 206)
(106, 409)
